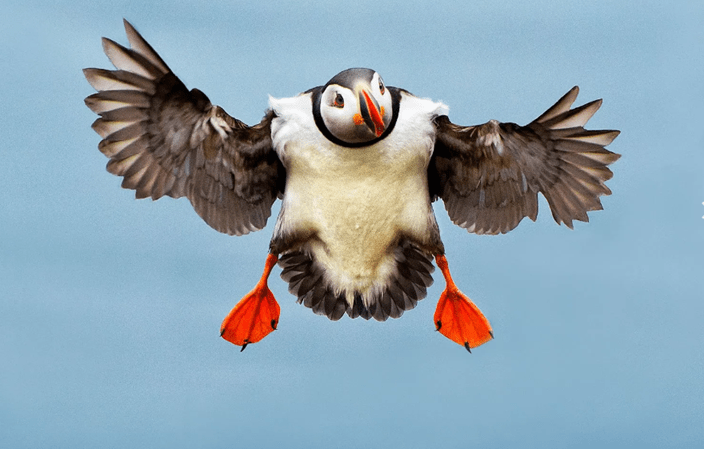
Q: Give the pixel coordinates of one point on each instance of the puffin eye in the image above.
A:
(339, 101)
(381, 86)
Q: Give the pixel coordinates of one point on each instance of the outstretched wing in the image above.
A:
(489, 175)
(166, 140)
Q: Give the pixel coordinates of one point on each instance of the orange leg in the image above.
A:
(256, 315)
(457, 317)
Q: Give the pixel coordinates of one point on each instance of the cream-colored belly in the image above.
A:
(357, 201)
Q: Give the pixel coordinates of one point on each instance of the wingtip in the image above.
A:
(131, 32)
(141, 46)
(562, 105)
(92, 76)
(571, 118)
(107, 44)
(592, 106)
(609, 136)
(570, 97)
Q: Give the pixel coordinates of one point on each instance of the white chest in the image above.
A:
(357, 201)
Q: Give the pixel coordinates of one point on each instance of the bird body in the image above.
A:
(357, 201)
(357, 165)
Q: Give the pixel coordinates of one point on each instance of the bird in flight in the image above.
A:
(357, 165)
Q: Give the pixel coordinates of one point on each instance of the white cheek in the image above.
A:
(335, 118)
(388, 108)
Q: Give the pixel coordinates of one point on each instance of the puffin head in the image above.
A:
(355, 108)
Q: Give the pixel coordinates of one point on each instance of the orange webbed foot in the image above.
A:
(256, 315)
(457, 317)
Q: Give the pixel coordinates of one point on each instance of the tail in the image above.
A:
(402, 291)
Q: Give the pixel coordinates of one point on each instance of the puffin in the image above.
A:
(357, 165)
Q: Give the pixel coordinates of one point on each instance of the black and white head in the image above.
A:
(355, 108)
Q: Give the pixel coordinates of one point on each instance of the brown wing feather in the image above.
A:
(489, 175)
(166, 140)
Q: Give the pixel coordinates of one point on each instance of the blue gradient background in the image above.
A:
(110, 307)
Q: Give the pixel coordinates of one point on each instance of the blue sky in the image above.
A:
(110, 307)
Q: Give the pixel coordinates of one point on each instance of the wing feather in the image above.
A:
(142, 47)
(489, 175)
(562, 105)
(130, 61)
(166, 140)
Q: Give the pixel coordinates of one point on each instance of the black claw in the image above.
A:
(222, 332)
(466, 346)
(491, 333)
(273, 324)
(244, 346)
(438, 325)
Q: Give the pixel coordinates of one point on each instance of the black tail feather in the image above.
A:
(404, 289)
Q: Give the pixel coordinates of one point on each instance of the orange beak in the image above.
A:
(371, 113)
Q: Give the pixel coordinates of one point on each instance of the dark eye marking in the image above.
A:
(339, 101)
